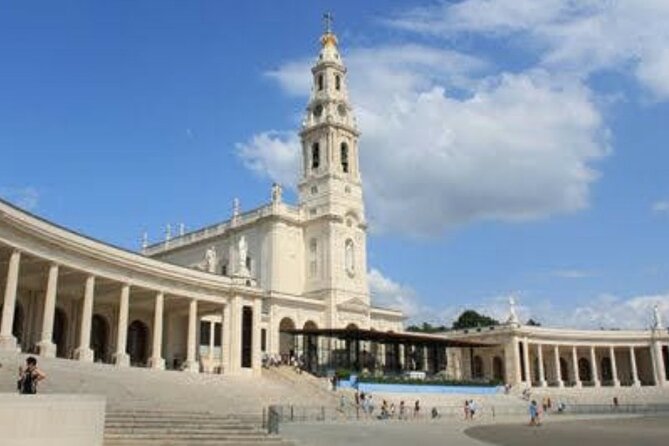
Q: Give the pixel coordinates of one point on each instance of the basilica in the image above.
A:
(282, 279)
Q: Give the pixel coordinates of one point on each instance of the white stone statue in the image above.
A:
(168, 232)
(513, 317)
(277, 192)
(210, 258)
(242, 253)
(235, 207)
(145, 240)
(657, 318)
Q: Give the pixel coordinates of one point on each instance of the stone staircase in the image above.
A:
(176, 428)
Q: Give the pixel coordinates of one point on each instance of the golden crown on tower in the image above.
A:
(328, 37)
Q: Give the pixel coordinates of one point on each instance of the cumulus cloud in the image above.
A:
(584, 36)
(387, 293)
(24, 197)
(604, 311)
(450, 144)
(274, 154)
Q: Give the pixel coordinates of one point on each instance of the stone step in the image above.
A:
(274, 441)
(185, 436)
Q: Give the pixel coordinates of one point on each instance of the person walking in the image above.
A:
(29, 377)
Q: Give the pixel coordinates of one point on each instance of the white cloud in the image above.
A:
(387, 293)
(661, 206)
(275, 154)
(604, 311)
(26, 198)
(572, 273)
(580, 36)
(450, 146)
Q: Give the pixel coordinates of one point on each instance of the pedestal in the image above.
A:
(8, 344)
(84, 354)
(122, 359)
(47, 349)
(157, 363)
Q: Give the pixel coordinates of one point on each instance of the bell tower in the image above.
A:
(330, 188)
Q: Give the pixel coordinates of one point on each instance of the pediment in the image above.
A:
(355, 305)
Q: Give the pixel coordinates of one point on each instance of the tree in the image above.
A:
(426, 327)
(472, 319)
(533, 323)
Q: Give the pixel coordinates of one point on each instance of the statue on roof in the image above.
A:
(657, 318)
(513, 316)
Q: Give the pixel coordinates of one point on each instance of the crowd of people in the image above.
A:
(389, 410)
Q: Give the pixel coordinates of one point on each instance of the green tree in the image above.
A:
(533, 323)
(426, 327)
(472, 319)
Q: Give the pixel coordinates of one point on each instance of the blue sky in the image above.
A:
(516, 149)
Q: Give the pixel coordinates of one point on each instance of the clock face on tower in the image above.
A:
(341, 109)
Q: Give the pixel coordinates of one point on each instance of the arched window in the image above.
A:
(315, 155)
(349, 255)
(337, 82)
(344, 157)
(320, 82)
(313, 258)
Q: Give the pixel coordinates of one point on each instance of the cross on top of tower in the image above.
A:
(327, 22)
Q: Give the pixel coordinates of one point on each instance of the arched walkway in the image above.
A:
(59, 336)
(137, 347)
(286, 341)
(17, 326)
(584, 370)
(352, 327)
(564, 370)
(477, 368)
(99, 337)
(497, 369)
(607, 373)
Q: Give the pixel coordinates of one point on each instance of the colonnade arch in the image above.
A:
(59, 334)
(286, 342)
(138, 342)
(100, 338)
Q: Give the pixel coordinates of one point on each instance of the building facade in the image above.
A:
(218, 298)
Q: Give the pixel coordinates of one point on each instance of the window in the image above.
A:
(224, 269)
(248, 263)
(337, 82)
(344, 157)
(217, 334)
(315, 155)
(263, 339)
(320, 82)
(313, 258)
(314, 190)
(205, 326)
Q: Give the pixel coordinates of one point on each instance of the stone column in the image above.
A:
(593, 367)
(84, 351)
(400, 359)
(212, 334)
(614, 368)
(191, 363)
(7, 339)
(424, 353)
(540, 360)
(236, 334)
(121, 357)
(574, 360)
(256, 355)
(512, 362)
(46, 346)
(635, 374)
(526, 361)
(225, 338)
(558, 368)
(658, 363)
(157, 361)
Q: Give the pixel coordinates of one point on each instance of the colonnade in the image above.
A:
(230, 310)
(579, 365)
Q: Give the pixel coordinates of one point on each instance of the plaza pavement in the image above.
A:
(513, 431)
